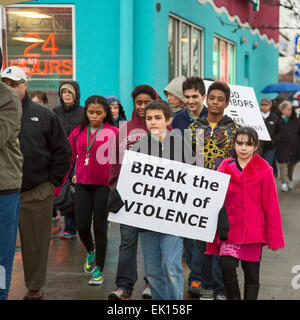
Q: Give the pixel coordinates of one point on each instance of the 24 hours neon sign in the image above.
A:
(45, 62)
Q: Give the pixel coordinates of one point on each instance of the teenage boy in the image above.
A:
(216, 131)
(129, 134)
(162, 252)
(193, 89)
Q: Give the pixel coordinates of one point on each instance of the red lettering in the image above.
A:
(68, 67)
(54, 65)
(52, 48)
(45, 71)
(26, 51)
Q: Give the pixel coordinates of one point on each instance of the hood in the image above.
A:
(111, 99)
(136, 121)
(175, 88)
(76, 87)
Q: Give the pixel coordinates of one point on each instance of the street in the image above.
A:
(66, 279)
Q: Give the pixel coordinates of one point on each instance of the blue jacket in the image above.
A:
(183, 119)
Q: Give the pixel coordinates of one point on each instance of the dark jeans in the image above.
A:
(211, 271)
(192, 256)
(70, 225)
(127, 264)
(90, 203)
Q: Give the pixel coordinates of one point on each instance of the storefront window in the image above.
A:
(185, 48)
(224, 61)
(40, 41)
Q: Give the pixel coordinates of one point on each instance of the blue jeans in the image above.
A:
(162, 259)
(192, 257)
(127, 264)
(211, 271)
(9, 217)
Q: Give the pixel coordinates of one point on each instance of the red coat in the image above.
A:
(252, 205)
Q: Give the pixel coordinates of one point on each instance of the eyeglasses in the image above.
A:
(12, 83)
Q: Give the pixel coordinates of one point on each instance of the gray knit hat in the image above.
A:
(175, 87)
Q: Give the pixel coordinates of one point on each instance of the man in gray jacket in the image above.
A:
(11, 161)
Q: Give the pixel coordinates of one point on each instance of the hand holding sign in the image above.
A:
(170, 197)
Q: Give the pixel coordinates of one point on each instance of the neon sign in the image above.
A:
(40, 58)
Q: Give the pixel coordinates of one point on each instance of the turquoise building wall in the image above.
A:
(123, 43)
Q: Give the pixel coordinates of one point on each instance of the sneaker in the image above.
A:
(67, 235)
(97, 277)
(147, 292)
(284, 187)
(290, 186)
(207, 294)
(119, 294)
(220, 297)
(195, 289)
(90, 264)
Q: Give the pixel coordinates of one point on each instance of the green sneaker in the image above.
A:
(97, 277)
(89, 264)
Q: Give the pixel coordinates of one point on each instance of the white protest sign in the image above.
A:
(244, 109)
(170, 197)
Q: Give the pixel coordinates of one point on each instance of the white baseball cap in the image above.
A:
(14, 73)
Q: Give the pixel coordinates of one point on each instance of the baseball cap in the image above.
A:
(265, 101)
(14, 73)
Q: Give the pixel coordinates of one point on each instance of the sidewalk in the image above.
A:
(66, 279)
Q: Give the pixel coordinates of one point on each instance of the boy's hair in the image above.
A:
(222, 86)
(144, 88)
(159, 105)
(195, 83)
(250, 133)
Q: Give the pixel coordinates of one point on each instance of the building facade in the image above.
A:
(111, 46)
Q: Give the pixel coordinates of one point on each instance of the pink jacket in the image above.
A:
(97, 171)
(252, 205)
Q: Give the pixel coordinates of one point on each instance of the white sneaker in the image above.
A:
(147, 292)
(290, 186)
(284, 187)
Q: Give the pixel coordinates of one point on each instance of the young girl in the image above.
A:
(90, 143)
(254, 216)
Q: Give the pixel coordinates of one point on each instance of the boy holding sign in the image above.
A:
(162, 252)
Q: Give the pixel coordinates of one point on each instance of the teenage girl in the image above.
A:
(91, 142)
(254, 216)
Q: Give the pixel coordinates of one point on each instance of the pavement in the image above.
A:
(66, 279)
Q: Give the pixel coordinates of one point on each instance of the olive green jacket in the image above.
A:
(11, 159)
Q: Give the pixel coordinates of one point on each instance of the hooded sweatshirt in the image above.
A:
(122, 116)
(129, 134)
(175, 88)
(69, 115)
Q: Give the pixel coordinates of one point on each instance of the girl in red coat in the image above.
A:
(254, 216)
